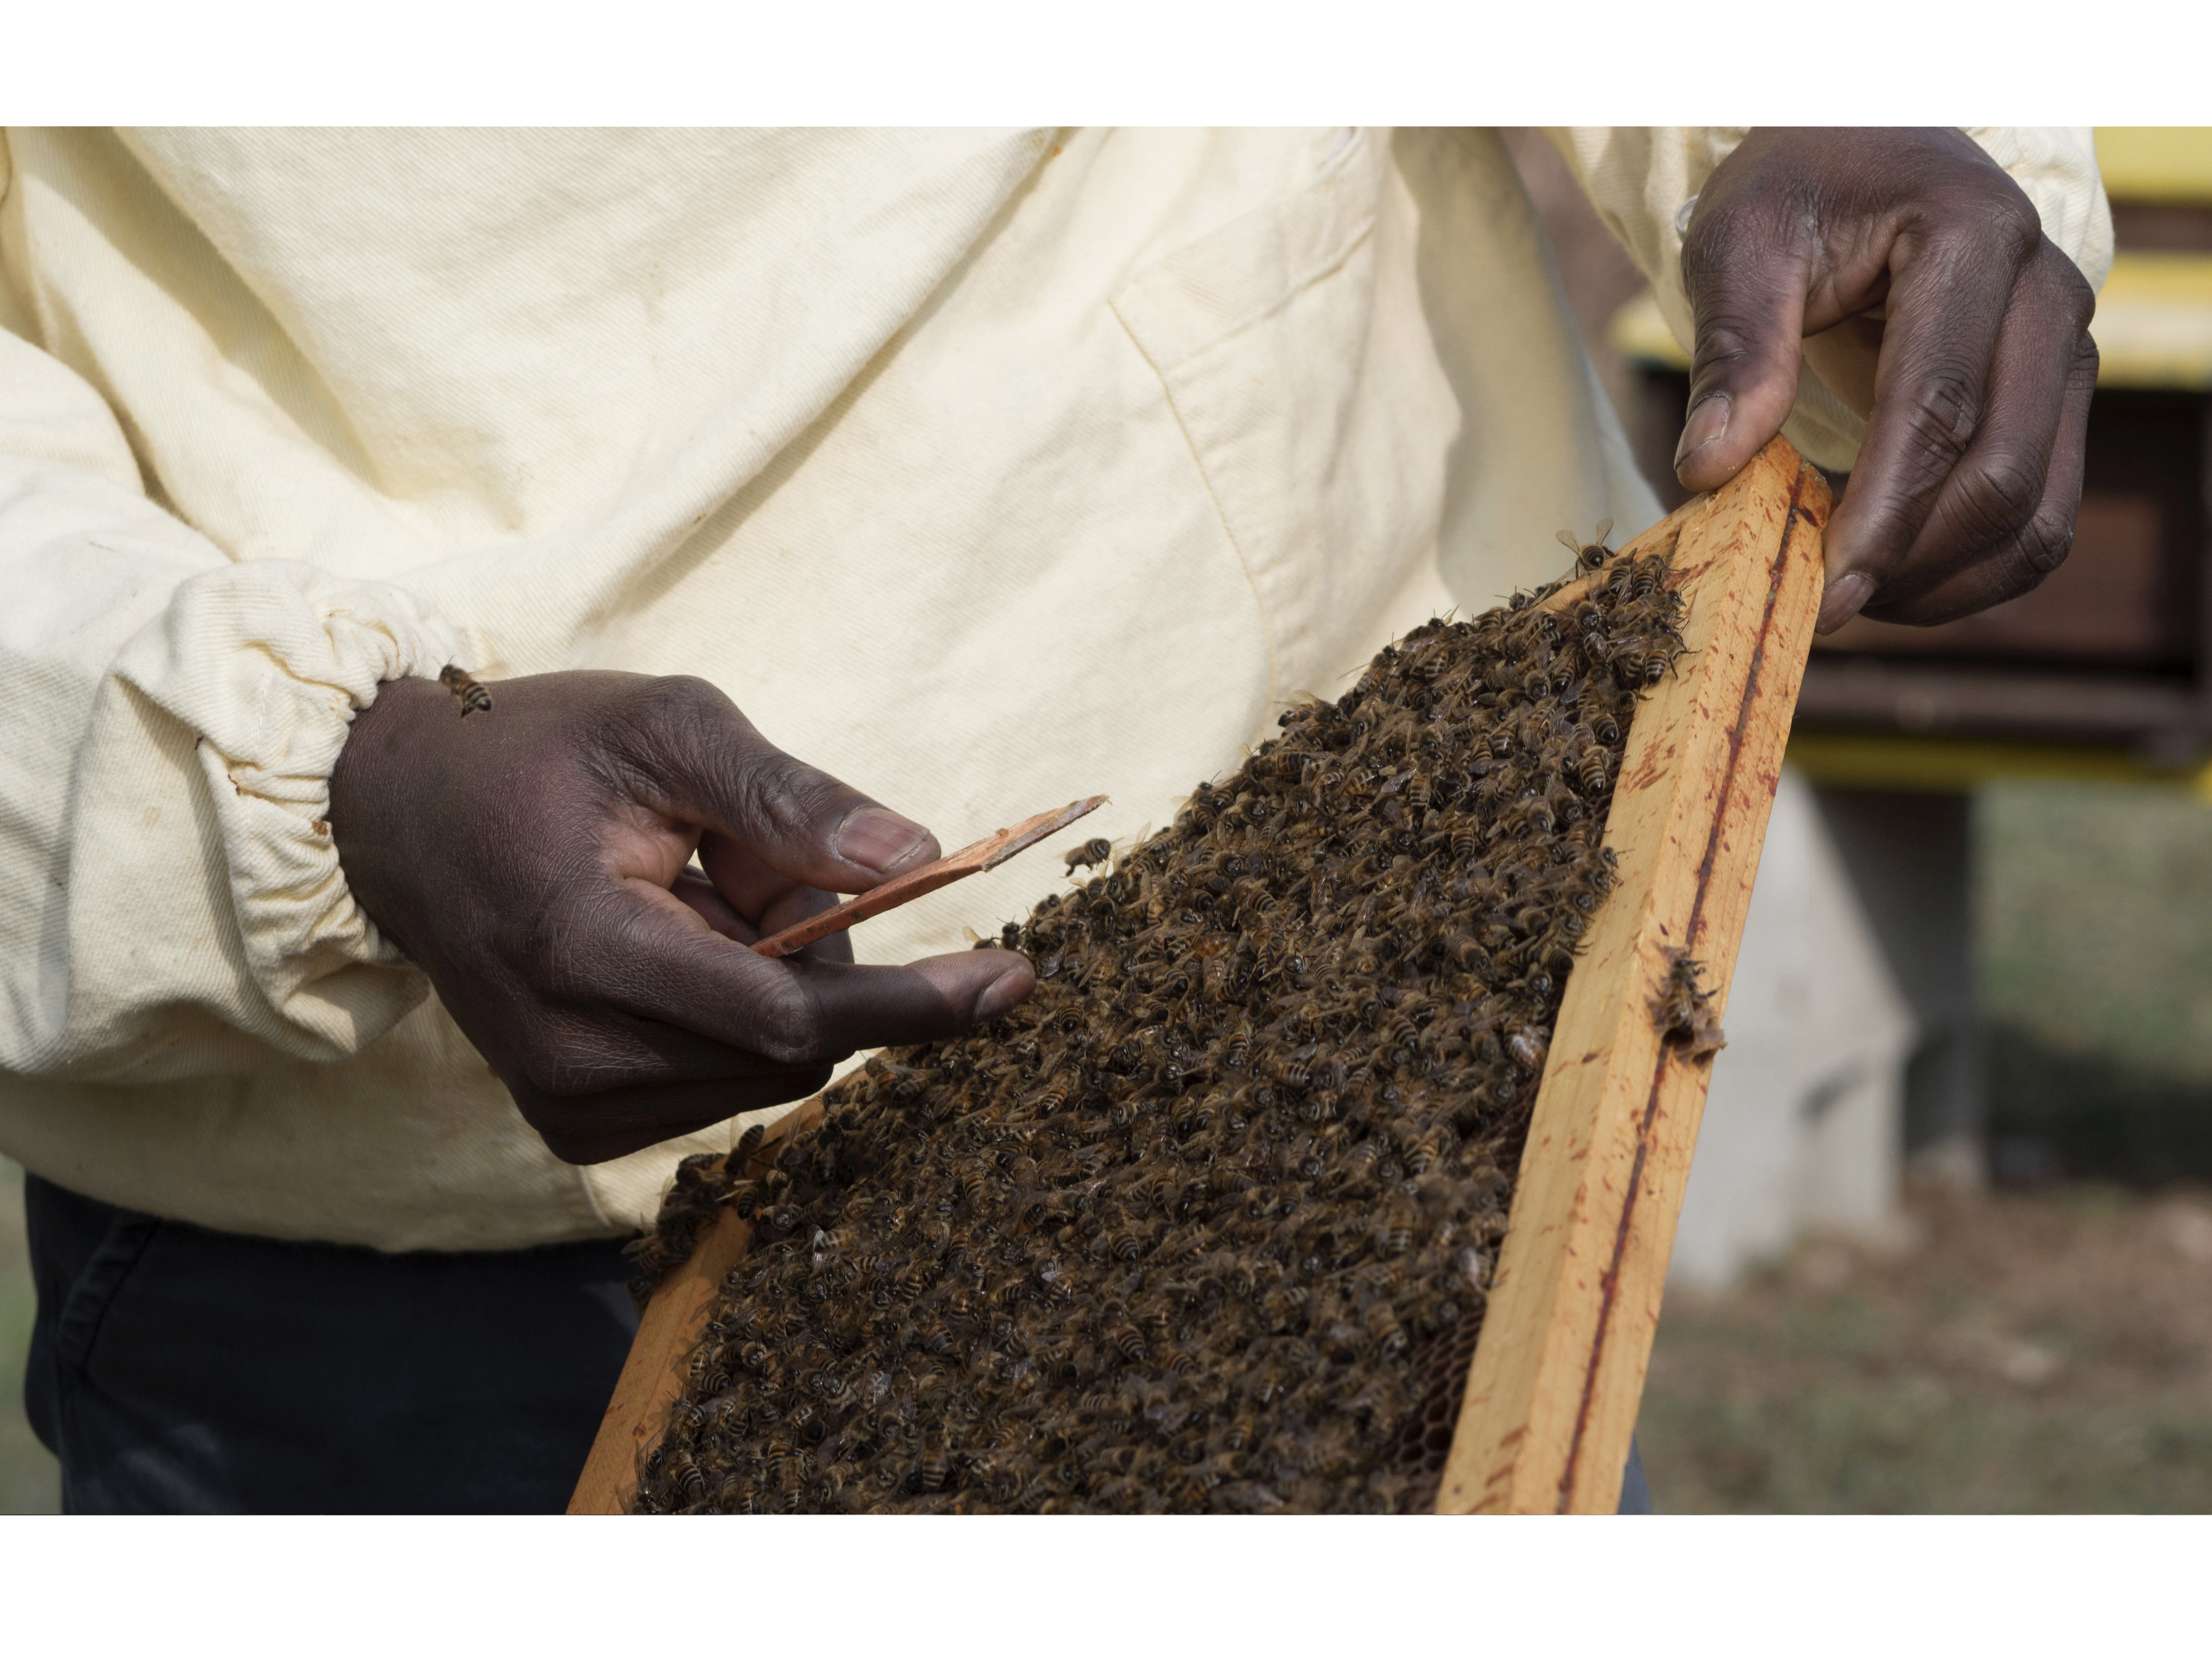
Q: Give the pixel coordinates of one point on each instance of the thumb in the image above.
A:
(709, 766)
(1746, 291)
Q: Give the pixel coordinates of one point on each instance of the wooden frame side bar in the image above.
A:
(652, 1376)
(1558, 1374)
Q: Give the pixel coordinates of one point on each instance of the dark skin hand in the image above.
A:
(1914, 275)
(532, 859)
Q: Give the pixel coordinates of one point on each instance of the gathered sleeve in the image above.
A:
(171, 903)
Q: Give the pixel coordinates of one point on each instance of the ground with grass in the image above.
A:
(2046, 1346)
(2095, 922)
(2031, 1352)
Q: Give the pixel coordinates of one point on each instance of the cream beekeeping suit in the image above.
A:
(1165, 428)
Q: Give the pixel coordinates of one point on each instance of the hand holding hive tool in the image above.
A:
(536, 861)
(993, 850)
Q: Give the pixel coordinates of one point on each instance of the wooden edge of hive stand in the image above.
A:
(1558, 1375)
(652, 1376)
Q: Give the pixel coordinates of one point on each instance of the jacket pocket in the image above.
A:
(1292, 347)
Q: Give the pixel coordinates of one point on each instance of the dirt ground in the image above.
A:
(2035, 1351)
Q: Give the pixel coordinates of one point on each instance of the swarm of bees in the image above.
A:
(1208, 1222)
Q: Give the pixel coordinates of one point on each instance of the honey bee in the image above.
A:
(1429, 1149)
(687, 1478)
(931, 1473)
(1595, 552)
(1591, 771)
(1096, 851)
(1397, 1235)
(748, 1145)
(1528, 1047)
(1240, 1047)
(1384, 1330)
(1683, 1014)
(469, 693)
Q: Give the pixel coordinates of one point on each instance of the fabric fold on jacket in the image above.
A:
(1072, 457)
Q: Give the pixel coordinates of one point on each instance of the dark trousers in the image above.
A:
(176, 1369)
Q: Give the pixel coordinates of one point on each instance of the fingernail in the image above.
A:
(878, 839)
(1707, 421)
(1842, 599)
(1004, 992)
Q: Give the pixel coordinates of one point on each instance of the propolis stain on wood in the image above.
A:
(1208, 1223)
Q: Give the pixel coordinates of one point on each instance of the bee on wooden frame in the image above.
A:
(1593, 553)
(1684, 1013)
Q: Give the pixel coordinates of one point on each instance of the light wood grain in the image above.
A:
(1557, 1377)
(652, 1376)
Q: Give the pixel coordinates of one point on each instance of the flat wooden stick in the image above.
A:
(986, 854)
(652, 1376)
(1552, 1393)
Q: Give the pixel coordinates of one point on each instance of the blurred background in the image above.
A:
(1949, 1247)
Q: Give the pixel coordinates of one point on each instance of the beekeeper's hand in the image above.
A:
(532, 859)
(1915, 276)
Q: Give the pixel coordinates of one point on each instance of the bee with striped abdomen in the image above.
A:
(468, 692)
(1593, 553)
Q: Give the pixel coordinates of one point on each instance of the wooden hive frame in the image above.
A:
(1558, 1374)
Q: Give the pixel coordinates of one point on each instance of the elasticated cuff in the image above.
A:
(267, 662)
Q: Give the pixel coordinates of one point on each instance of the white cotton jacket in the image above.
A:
(1162, 429)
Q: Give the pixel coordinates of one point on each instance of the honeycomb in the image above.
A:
(1207, 1224)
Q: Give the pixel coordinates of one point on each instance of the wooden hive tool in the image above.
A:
(1557, 1372)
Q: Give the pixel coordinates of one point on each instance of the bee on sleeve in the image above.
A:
(467, 691)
